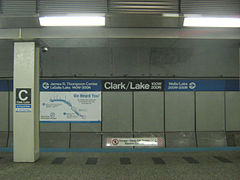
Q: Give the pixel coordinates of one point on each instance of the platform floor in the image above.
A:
(124, 166)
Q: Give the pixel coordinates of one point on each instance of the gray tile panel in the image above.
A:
(230, 139)
(6, 60)
(4, 111)
(148, 112)
(210, 111)
(233, 138)
(232, 111)
(54, 140)
(54, 127)
(117, 111)
(211, 139)
(3, 139)
(237, 139)
(180, 139)
(85, 127)
(179, 111)
(85, 140)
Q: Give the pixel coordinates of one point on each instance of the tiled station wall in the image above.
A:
(184, 119)
(132, 57)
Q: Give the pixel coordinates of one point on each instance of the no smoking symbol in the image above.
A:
(115, 142)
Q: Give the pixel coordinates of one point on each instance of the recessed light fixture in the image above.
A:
(72, 21)
(170, 15)
(211, 22)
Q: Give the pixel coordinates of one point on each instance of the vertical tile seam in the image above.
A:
(1, 10)
(9, 106)
(133, 116)
(70, 135)
(225, 116)
(164, 119)
(195, 119)
(101, 120)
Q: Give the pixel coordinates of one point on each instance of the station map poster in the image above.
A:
(70, 101)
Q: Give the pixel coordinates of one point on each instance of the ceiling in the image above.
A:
(152, 19)
(119, 13)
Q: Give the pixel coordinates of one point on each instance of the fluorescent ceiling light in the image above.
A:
(170, 15)
(72, 21)
(192, 15)
(211, 22)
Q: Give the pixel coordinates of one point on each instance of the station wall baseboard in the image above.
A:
(98, 141)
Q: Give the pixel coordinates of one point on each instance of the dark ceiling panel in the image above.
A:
(143, 7)
(18, 7)
(18, 22)
(61, 7)
(211, 7)
(140, 20)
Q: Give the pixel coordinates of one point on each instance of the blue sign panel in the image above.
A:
(3, 85)
(201, 85)
(95, 85)
(70, 85)
(23, 108)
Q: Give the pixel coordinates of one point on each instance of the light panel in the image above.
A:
(170, 15)
(72, 21)
(211, 22)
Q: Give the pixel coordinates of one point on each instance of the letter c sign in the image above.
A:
(23, 96)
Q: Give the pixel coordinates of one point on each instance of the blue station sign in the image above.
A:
(132, 85)
(201, 85)
(70, 85)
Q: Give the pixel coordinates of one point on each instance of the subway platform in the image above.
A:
(213, 165)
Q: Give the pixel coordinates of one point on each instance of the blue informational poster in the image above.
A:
(201, 85)
(70, 101)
